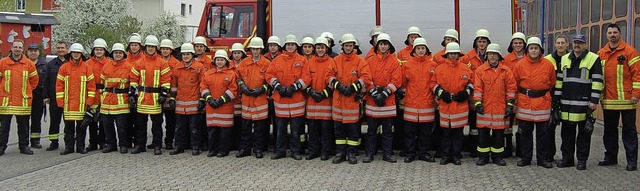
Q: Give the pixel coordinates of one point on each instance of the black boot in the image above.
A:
(26, 150)
(92, 147)
(169, 146)
(426, 158)
(176, 151)
(35, 143)
(259, 154)
(409, 158)
(53, 146)
(339, 158)
(499, 161)
(582, 165)
(389, 158)
(352, 158)
(138, 149)
(368, 159)
(124, 150)
(518, 145)
(67, 150)
(109, 148)
(243, 153)
(157, 150)
(483, 159)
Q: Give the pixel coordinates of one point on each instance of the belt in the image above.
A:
(99, 86)
(532, 93)
(149, 89)
(116, 90)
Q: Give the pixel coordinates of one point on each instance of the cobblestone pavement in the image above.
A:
(114, 171)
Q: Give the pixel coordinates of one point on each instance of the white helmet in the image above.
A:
(237, 47)
(482, 33)
(493, 47)
(187, 48)
(451, 33)
(347, 38)
(327, 35)
(76, 47)
(135, 37)
(118, 46)
(274, 40)
(383, 36)
(452, 47)
(414, 30)
(534, 40)
(291, 39)
(520, 36)
(256, 42)
(221, 54)
(151, 40)
(322, 40)
(419, 41)
(307, 40)
(200, 40)
(376, 31)
(100, 43)
(166, 43)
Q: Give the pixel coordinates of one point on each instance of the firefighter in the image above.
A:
(332, 43)
(114, 105)
(134, 53)
(347, 77)
(237, 55)
(166, 51)
(449, 77)
(201, 47)
(219, 87)
(412, 34)
(251, 81)
(185, 100)
(75, 93)
(620, 98)
(535, 79)
(516, 53)
(99, 54)
(274, 48)
(381, 103)
(403, 56)
(419, 111)
(17, 95)
(150, 83)
(38, 105)
(474, 59)
(580, 85)
(451, 35)
(374, 37)
(289, 75)
(495, 89)
(561, 43)
(307, 50)
(319, 103)
(55, 112)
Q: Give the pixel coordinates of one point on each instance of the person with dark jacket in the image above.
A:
(55, 112)
(38, 106)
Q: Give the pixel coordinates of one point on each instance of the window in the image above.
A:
(230, 21)
(637, 5)
(565, 14)
(607, 9)
(550, 44)
(551, 14)
(574, 13)
(621, 8)
(190, 9)
(623, 29)
(584, 11)
(636, 36)
(21, 5)
(183, 8)
(594, 38)
(595, 10)
(37, 28)
(558, 13)
(603, 36)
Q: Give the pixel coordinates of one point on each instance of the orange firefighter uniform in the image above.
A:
(493, 88)
(185, 84)
(17, 76)
(115, 77)
(536, 76)
(289, 68)
(453, 77)
(149, 75)
(218, 84)
(385, 73)
(419, 102)
(319, 110)
(75, 89)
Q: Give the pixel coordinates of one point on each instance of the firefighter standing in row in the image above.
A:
(374, 37)
(452, 85)
(99, 54)
(307, 50)
(55, 111)
(38, 106)
(237, 55)
(150, 77)
(474, 59)
(134, 53)
(405, 53)
(18, 79)
(201, 47)
(419, 111)
(185, 101)
(75, 93)
(622, 91)
(386, 77)
(274, 48)
(319, 103)
(347, 76)
(166, 50)
(561, 43)
(535, 78)
(450, 35)
(398, 122)
(219, 87)
(288, 75)
(516, 53)
(114, 105)
(580, 85)
(495, 88)
(332, 43)
(251, 81)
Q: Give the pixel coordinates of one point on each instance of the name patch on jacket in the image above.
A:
(464, 76)
(297, 65)
(354, 72)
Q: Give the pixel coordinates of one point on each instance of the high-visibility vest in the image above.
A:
(579, 86)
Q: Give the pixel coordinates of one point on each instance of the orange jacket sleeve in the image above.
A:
(165, 75)
(204, 87)
(635, 73)
(174, 82)
(233, 87)
(62, 72)
(512, 86)
(365, 72)
(478, 91)
(331, 70)
(134, 76)
(270, 75)
(306, 74)
(91, 88)
(396, 78)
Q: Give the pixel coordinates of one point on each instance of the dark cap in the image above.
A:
(580, 38)
(32, 46)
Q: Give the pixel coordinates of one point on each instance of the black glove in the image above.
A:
(444, 95)
(201, 104)
(373, 92)
(281, 89)
(164, 93)
(354, 88)
(133, 97)
(358, 96)
(461, 96)
(479, 108)
(244, 88)
(225, 98)
(509, 110)
(89, 116)
(259, 91)
(211, 102)
(172, 103)
(314, 95)
(400, 94)
(338, 86)
(217, 103)
(382, 96)
(293, 88)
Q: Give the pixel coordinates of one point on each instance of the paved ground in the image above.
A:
(114, 171)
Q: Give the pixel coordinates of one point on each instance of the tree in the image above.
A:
(166, 26)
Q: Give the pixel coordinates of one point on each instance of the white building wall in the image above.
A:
(145, 10)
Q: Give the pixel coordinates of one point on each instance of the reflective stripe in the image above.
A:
(392, 87)
(636, 85)
(385, 108)
(534, 112)
(597, 86)
(633, 60)
(483, 150)
(53, 136)
(302, 83)
(35, 135)
(620, 82)
(283, 105)
(454, 116)
(577, 80)
(497, 150)
(186, 102)
(218, 122)
(574, 103)
(529, 117)
(230, 94)
(217, 115)
(473, 132)
(430, 110)
(476, 94)
(318, 114)
(445, 123)
(352, 143)
(346, 111)
(574, 117)
(319, 107)
(341, 141)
